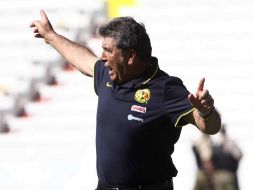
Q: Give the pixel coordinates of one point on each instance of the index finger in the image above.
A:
(201, 84)
(43, 15)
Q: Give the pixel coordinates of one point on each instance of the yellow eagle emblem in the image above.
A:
(143, 95)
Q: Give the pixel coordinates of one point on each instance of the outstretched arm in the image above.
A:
(79, 56)
(205, 116)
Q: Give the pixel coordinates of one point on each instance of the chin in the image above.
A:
(115, 80)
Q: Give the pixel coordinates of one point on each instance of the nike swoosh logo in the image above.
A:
(108, 84)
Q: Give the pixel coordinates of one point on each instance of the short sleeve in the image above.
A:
(176, 101)
(98, 75)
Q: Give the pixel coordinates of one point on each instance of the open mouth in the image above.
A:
(110, 69)
(110, 72)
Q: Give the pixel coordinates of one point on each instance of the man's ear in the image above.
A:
(132, 56)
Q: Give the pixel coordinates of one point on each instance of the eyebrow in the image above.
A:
(104, 47)
(107, 49)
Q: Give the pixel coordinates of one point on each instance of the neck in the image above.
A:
(137, 69)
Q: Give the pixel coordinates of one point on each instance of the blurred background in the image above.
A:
(48, 109)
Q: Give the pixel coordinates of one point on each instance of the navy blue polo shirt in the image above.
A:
(137, 126)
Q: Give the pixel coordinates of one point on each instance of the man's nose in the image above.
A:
(103, 56)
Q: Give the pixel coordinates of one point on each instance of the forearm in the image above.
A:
(211, 125)
(77, 55)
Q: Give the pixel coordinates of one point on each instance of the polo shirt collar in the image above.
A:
(144, 78)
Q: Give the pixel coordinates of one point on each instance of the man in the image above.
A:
(140, 108)
(202, 149)
(226, 158)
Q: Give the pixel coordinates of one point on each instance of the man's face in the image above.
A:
(114, 60)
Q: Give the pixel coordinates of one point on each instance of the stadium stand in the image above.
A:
(38, 116)
(26, 62)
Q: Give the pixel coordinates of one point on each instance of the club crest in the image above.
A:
(143, 95)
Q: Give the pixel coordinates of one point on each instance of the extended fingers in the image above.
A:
(44, 17)
(203, 101)
(201, 84)
(41, 28)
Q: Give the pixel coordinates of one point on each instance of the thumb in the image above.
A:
(194, 101)
(192, 98)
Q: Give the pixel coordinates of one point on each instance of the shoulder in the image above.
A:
(99, 68)
(173, 81)
(100, 75)
(167, 79)
(172, 84)
(99, 63)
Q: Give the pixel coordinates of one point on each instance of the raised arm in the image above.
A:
(77, 55)
(205, 116)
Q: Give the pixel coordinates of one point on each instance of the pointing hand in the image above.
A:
(43, 28)
(202, 100)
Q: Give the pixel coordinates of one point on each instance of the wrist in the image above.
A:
(50, 37)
